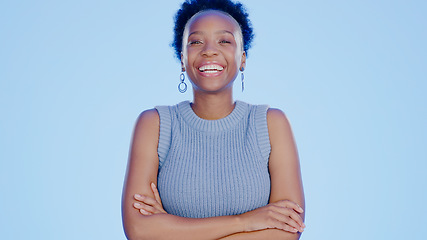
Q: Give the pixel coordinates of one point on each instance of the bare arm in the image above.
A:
(285, 174)
(142, 171)
(286, 182)
(267, 234)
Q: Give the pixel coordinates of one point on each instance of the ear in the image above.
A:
(182, 63)
(243, 62)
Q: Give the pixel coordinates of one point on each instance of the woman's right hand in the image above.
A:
(283, 215)
(147, 205)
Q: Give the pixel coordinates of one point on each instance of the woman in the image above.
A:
(224, 169)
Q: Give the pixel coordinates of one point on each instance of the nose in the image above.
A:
(210, 49)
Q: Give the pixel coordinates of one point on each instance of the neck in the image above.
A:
(212, 106)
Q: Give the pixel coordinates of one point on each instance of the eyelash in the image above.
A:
(199, 42)
(194, 42)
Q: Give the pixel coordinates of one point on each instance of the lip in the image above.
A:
(210, 74)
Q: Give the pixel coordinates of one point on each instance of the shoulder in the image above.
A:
(148, 116)
(279, 128)
(148, 119)
(276, 117)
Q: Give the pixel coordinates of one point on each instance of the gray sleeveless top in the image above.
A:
(213, 168)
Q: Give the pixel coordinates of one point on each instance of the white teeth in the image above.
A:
(210, 68)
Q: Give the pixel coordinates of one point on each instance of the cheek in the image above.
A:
(189, 56)
(238, 57)
(186, 59)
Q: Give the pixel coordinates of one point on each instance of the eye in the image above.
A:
(195, 42)
(224, 42)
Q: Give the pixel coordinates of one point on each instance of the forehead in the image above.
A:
(212, 19)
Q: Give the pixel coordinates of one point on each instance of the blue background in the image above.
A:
(350, 75)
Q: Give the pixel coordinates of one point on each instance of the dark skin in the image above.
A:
(211, 41)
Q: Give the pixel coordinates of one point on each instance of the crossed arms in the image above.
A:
(144, 217)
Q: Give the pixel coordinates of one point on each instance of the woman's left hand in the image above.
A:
(148, 205)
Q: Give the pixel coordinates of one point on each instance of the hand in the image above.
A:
(283, 215)
(147, 205)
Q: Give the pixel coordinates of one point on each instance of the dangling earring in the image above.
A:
(182, 86)
(243, 78)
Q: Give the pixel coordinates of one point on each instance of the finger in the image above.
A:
(297, 218)
(290, 217)
(138, 197)
(137, 205)
(150, 209)
(294, 205)
(294, 215)
(140, 207)
(146, 202)
(146, 208)
(156, 193)
(282, 222)
(292, 223)
(288, 228)
(145, 199)
(149, 204)
(157, 197)
(143, 212)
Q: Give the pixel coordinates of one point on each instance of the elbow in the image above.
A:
(131, 232)
(290, 236)
(146, 228)
(280, 234)
(135, 226)
(294, 236)
(136, 232)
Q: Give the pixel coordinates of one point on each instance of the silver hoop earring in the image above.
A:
(182, 86)
(243, 81)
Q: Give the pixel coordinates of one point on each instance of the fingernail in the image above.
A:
(143, 211)
(137, 205)
(137, 196)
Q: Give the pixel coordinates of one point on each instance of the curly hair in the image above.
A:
(190, 7)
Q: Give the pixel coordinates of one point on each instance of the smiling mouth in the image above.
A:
(211, 68)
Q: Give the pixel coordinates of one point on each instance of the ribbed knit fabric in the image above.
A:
(213, 167)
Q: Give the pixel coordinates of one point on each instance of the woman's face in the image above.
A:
(212, 51)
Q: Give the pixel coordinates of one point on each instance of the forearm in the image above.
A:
(163, 226)
(264, 234)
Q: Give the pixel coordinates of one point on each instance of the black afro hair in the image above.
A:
(190, 7)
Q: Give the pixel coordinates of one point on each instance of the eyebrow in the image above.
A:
(217, 32)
